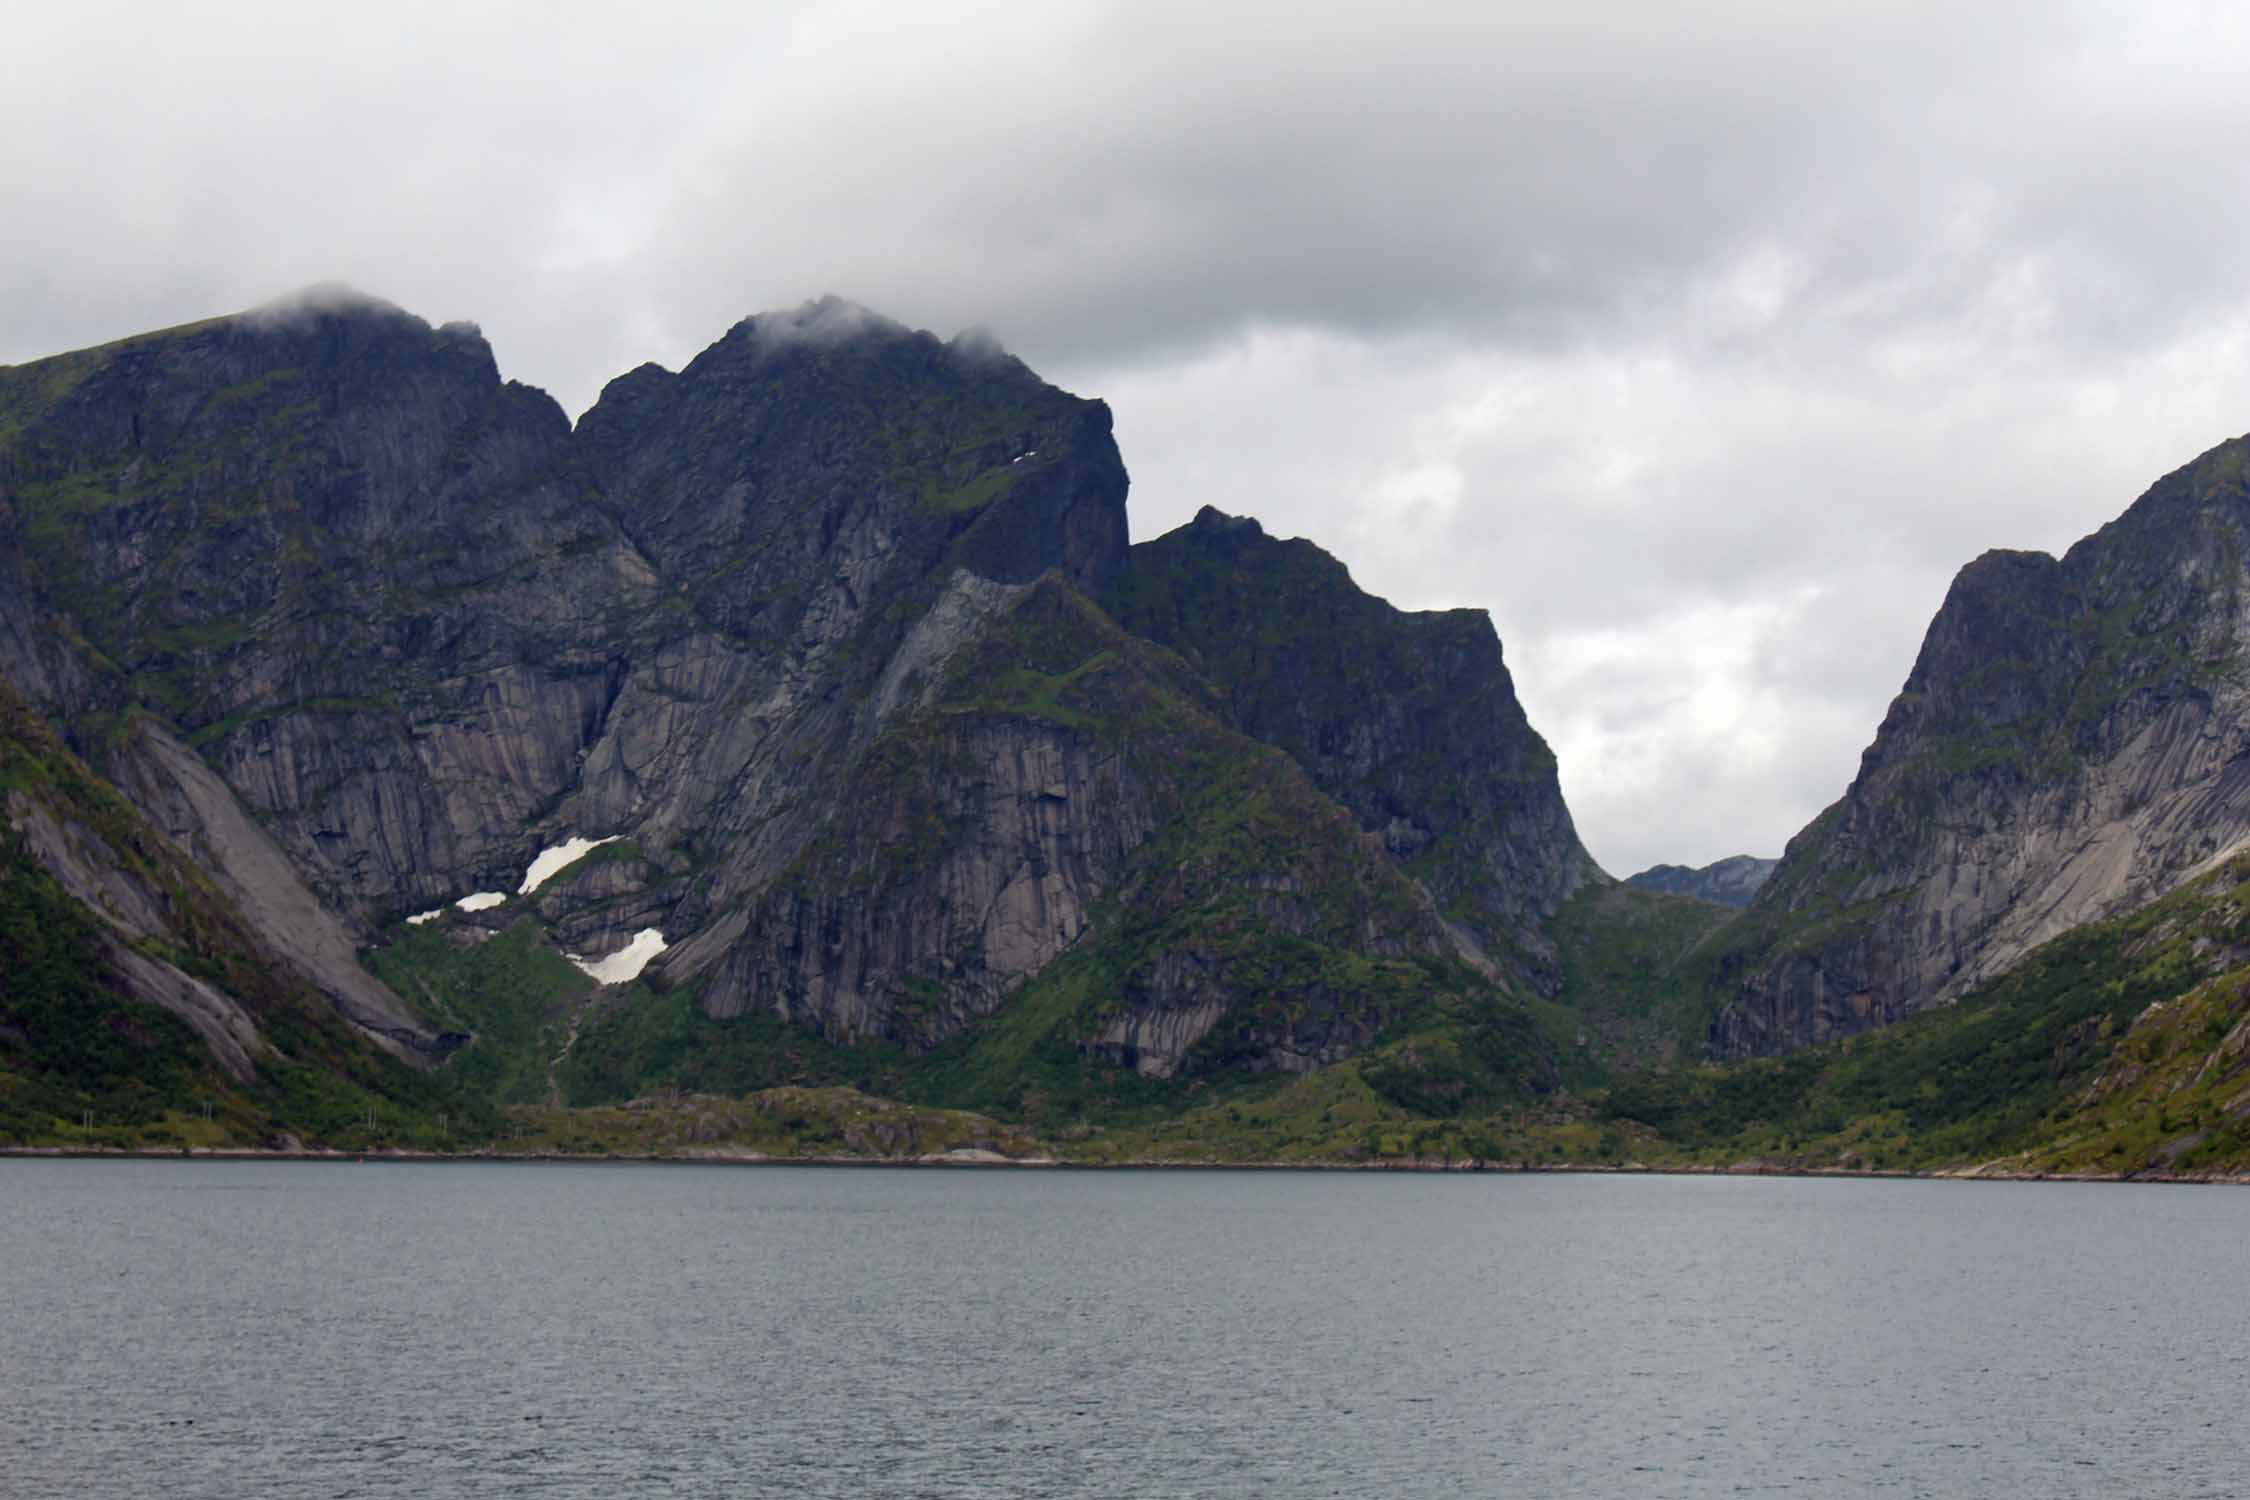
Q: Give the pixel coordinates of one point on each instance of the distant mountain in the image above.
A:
(1729, 882)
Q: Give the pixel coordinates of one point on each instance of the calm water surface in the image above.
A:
(265, 1329)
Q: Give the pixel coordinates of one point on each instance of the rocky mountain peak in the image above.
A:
(1212, 522)
(2074, 739)
(1408, 719)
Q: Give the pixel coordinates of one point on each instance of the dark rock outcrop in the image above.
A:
(328, 546)
(1410, 720)
(1061, 788)
(422, 629)
(830, 500)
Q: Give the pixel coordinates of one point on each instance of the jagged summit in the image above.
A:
(832, 325)
(328, 324)
(323, 299)
(1211, 518)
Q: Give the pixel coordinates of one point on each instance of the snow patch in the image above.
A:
(627, 962)
(1019, 458)
(554, 861)
(481, 901)
(424, 916)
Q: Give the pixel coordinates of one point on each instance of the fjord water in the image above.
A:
(270, 1329)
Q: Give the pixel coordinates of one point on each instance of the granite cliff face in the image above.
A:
(2074, 740)
(329, 549)
(1061, 788)
(805, 631)
(1409, 720)
(819, 676)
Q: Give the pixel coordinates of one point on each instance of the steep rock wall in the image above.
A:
(2074, 741)
(1408, 719)
(1065, 817)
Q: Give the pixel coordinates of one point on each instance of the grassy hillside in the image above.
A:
(2115, 1048)
(1635, 967)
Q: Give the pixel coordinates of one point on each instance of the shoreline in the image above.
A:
(983, 1160)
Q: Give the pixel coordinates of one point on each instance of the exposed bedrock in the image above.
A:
(2074, 740)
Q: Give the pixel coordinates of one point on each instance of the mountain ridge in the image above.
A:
(1732, 881)
(905, 772)
(695, 625)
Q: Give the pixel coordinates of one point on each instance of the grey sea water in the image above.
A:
(268, 1329)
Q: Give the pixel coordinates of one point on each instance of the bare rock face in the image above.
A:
(2074, 741)
(1066, 821)
(155, 927)
(1408, 719)
(341, 558)
(831, 500)
(189, 802)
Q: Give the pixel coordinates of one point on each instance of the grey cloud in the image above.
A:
(307, 303)
(822, 322)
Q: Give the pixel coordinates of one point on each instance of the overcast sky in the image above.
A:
(1699, 344)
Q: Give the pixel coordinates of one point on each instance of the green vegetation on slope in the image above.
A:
(782, 1122)
(1409, 720)
(512, 993)
(70, 1043)
(1634, 978)
(637, 1042)
(2006, 1072)
(74, 1043)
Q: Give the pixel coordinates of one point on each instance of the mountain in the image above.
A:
(1728, 882)
(1409, 720)
(781, 687)
(388, 761)
(2072, 743)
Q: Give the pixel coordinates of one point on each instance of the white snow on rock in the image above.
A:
(424, 916)
(627, 962)
(481, 901)
(552, 862)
